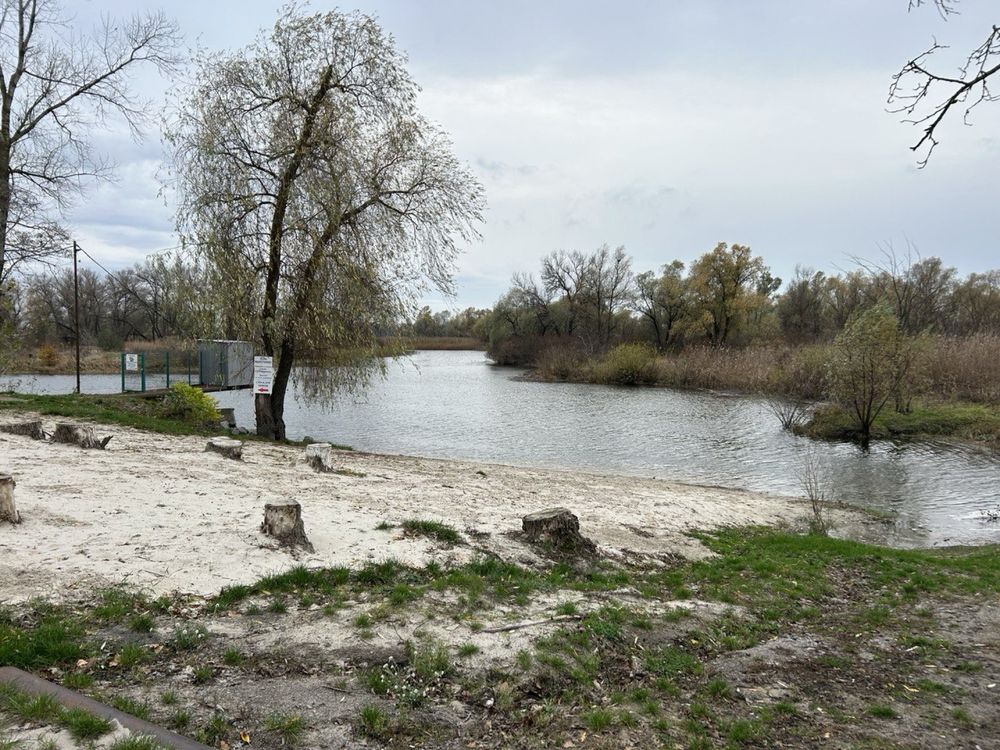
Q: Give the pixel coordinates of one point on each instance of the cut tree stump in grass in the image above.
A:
(283, 521)
(318, 456)
(78, 434)
(226, 447)
(557, 527)
(8, 511)
(30, 429)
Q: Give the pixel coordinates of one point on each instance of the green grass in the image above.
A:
(142, 623)
(54, 641)
(880, 711)
(958, 419)
(288, 727)
(598, 719)
(189, 637)
(374, 722)
(84, 725)
(138, 709)
(121, 409)
(232, 657)
(131, 655)
(435, 530)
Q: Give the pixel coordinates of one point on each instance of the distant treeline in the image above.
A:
(728, 297)
(165, 296)
(586, 303)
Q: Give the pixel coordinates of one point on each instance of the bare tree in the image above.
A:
(56, 87)
(913, 91)
(316, 191)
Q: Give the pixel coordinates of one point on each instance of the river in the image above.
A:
(457, 405)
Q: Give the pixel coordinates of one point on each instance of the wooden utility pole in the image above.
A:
(76, 313)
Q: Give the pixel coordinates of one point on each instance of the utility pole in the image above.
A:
(76, 313)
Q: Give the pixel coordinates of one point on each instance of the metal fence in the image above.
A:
(156, 370)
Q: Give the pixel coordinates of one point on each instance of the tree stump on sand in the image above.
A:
(227, 447)
(31, 429)
(78, 434)
(318, 456)
(283, 521)
(558, 528)
(8, 511)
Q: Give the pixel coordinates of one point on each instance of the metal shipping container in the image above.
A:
(227, 364)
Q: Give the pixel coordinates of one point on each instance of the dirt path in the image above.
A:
(160, 513)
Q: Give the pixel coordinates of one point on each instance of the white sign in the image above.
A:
(131, 362)
(263, 374)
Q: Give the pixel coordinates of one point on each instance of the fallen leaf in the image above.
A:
(245, 736)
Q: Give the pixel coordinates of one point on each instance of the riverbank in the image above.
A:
(161, 597)
(188, 518)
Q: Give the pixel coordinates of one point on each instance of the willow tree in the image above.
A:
(321, 199)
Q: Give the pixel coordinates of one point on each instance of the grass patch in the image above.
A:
(289, 727)
(374, 722)
(84, 725)
(54, 641)
(958, 419)
(880, 711)
(435, 530)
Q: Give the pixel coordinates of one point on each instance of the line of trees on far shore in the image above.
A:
(728, 297)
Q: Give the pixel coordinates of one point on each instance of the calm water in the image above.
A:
(455, 405)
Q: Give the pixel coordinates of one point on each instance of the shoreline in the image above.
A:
(158, 512)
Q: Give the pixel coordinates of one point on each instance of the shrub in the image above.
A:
(627, 364)
(559, 363)
(190, 404)
(47, 356)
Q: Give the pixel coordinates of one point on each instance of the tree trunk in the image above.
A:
(8, 511)
(318, 456)
(283, 521)
(78, 434)
(226, 447)
(31, 429)
(557, 527)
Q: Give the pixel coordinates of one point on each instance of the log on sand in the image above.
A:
(30, 429)
(558, 528)
(283, 521)
(78, 434)
(226, 447)
(8, 511)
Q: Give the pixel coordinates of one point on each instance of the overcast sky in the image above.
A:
(663, 126)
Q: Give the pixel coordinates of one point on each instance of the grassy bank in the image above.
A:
(779, 640)
(119, 409)
(971, 422)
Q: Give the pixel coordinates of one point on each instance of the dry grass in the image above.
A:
(966, 369)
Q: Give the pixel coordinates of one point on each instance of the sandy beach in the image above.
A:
(159, 513)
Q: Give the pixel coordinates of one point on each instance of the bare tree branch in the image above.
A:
(914, 89)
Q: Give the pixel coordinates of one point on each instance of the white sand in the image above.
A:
(160, 513)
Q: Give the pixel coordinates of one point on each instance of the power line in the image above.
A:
(114, 280)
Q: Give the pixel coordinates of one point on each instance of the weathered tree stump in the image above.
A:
(283, 521)
(227, 447)
(318, 456)
(8, 511)
(557, 527)
(78, 434)
(31, 429)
